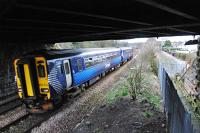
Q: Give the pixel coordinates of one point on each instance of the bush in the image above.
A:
(189, 57)
(135, 81)
(153, 64)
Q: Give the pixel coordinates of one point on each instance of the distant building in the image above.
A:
(182, 48)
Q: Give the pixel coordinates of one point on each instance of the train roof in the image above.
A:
(59, 53)
(125, 48)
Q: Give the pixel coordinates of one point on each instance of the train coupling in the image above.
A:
(42, 108)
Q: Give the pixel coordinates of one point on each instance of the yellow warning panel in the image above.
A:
(42, 81)
(28, 80)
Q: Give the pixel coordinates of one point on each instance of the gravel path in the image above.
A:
(68, 118)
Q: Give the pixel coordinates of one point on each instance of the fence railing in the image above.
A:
(180, 118)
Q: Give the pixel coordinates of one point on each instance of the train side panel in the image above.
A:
(56, 76)
(87, 73)
(126, 54)
(80, 71)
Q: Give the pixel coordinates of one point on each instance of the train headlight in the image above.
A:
(19, 89)
(44, 90)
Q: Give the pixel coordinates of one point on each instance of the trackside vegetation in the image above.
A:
(142, 83)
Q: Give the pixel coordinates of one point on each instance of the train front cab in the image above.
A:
(32, 83)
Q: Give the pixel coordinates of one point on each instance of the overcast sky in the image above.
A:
(172, 39)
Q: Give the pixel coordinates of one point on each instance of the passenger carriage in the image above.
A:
(43, 76)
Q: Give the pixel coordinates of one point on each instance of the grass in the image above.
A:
(117, 92)
(189, 57)
(147, 90)
(153, 99)
(147, 114)
(98, 130)
(122, 90)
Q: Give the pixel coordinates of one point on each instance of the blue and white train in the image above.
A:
(44, 76)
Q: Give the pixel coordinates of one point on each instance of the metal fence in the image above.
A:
(179, 116)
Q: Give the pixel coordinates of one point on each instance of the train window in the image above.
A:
(39, 62)
(88, 64)
(79, 64)
(86, 60)
(95, 62)
(91, 61)
(41, 70)
(61, 68)
(67, 68)
(109, 57)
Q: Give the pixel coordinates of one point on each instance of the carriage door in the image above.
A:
(68, 73)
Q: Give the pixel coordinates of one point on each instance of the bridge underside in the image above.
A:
(49, 21)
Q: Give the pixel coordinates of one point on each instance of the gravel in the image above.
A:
(23, 125)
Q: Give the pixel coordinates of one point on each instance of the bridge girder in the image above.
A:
(49, 21)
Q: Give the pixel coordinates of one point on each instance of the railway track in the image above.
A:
(66, 103)
(26, 122)
(6, 126)
(14, 115)
(9, 104)
(10, 110)
(7, 95)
